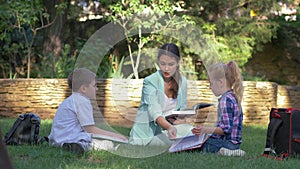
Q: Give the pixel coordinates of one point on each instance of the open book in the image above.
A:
(190, 111)
(188, 143)
(104, 137)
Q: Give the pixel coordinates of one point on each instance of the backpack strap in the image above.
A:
(34, 132)
(275, 122)
(13, 129)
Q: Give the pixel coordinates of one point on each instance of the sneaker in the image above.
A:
(103, 145)
(73, 147)
(227, 152)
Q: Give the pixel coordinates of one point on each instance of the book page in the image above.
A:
(180, 112)
(191, 111)
(104, 137)
(188, 143)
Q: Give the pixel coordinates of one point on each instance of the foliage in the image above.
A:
(110, 67)
(228, 30)
(214, 31)
(136, 18)
(27, 18)
(65, 63)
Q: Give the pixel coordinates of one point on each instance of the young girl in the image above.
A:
(226, 138)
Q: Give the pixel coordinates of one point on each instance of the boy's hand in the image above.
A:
(121, 137)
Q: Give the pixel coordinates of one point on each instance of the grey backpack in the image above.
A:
(25, 130)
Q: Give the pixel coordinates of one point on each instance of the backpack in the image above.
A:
(283, 135)
(25, 130)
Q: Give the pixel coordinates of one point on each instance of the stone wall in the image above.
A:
(118, 99)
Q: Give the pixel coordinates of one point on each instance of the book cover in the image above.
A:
(188, 143)
(104, 137)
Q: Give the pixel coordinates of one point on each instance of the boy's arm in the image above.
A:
(95, 130)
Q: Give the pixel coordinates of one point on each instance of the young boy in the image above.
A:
(73, 124)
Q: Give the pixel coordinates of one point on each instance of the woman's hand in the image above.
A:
(172, 131)
(171, 119)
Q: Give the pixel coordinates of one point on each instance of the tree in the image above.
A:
(25, 19)
(53, 40)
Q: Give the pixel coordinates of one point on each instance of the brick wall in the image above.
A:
(118, 99)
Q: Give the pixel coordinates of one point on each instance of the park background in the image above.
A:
(41, 42)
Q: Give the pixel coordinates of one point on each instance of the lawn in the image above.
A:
(44, 156)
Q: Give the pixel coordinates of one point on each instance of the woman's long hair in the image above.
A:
(170, 49)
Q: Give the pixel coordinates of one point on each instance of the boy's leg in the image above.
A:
(103, 145)
(73, 147)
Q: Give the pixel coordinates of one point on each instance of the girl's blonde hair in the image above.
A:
(232, 74)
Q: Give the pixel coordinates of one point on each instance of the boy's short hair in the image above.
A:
(79, 77)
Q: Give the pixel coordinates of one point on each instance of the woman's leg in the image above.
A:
(162, 139)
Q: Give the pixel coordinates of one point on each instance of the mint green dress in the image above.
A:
(145, 130)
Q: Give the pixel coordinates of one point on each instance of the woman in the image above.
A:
(163, 91)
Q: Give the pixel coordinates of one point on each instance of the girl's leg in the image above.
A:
(213, 145)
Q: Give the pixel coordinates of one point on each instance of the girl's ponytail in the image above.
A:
(236, 81)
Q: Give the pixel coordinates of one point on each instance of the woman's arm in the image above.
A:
(167, 126)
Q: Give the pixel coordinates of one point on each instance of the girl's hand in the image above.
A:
(198, 130)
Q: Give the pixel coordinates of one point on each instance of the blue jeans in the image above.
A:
(213, 145)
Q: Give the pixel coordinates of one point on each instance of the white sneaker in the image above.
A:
(227, 152)
(103, 145)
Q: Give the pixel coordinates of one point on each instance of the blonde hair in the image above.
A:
(233, 77)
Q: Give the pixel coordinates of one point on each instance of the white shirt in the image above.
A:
(169, 104)
(74, 112)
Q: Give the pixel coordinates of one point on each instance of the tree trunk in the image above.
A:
(53, 36)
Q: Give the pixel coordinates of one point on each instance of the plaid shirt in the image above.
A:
(230, 118)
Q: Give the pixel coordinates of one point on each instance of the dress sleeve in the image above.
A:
(182, 95)
(153, 98)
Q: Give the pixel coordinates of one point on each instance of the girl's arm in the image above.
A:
(208, 130)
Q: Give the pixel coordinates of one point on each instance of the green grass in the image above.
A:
(44, 156)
